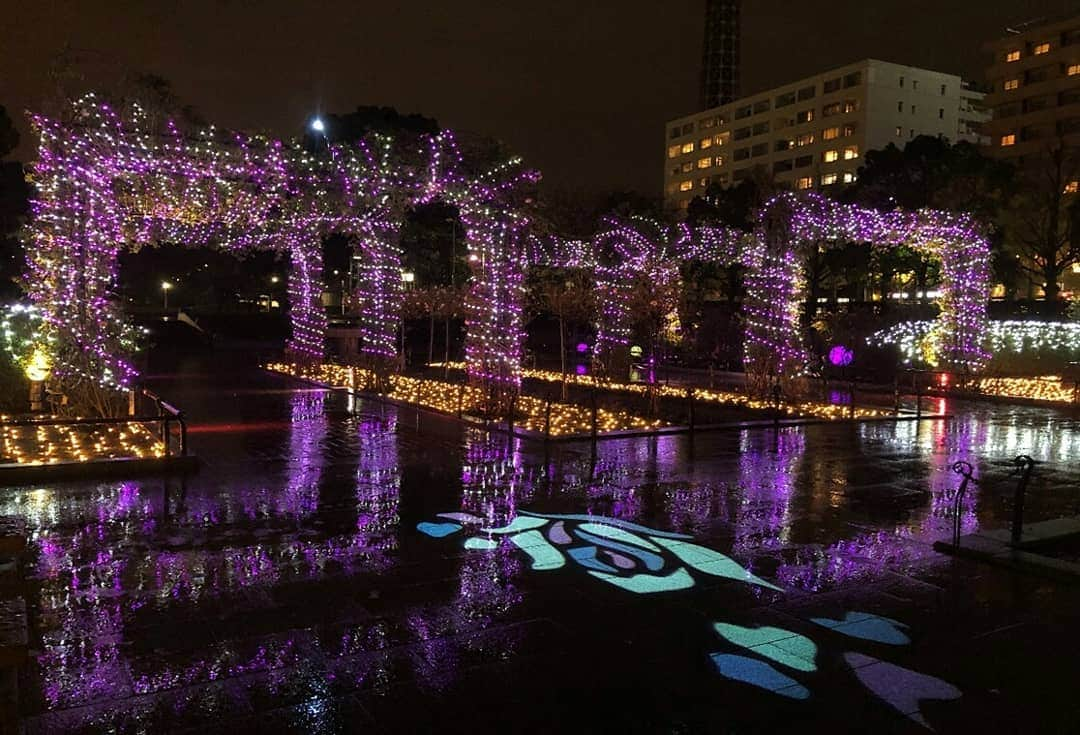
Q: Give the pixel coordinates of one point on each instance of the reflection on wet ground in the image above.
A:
(287, 587)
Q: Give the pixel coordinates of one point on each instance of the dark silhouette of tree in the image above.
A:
(9, 136)
(1043, 224)
(569, 295)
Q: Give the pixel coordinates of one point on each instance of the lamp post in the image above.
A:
(165, 286)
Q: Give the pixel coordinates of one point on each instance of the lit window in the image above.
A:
(851, 105)
(830, 156)
(687, 167)
(849, 130)
(831, 109)
(829, 179)
(1011, 84)
(688, 148)
(673, 151)
(1009, 139)
(805, 116)
(805, 182)
(721, 139)
(899, 131)
(704, 162)
(1042, 48)
(1072, 187)
(851, 152)
(704, 182)
(804, 139)
(830, 133)
(705, 143)
(849, 178)
(686, 186)
(1073, 70)
(1013, 55)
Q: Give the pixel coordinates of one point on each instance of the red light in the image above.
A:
(943, 380)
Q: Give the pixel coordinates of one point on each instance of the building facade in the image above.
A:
(720, 53)
(812, 133)
(1034, 96)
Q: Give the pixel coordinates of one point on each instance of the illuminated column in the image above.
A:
(72, 263)
(612, 353)
(961, 326)
(379, 294)
(306, 312)
(493, 325)
(774, 290)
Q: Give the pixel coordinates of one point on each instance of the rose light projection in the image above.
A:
(108, 179)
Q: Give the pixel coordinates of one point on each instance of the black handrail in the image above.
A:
(965, 470)
(167, 413)
(1024, 465)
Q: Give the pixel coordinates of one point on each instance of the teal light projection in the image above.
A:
(776, 644)
(868, 627)
(623, 554)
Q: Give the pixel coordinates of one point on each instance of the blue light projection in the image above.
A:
(868, 627)
(438, 530)
(758, 673)
(627, 555)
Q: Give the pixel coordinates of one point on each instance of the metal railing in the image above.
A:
(171, 424)
(1023, 466)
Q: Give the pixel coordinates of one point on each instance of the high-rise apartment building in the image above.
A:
(720, 53)
(1034, 89)
(812, 133)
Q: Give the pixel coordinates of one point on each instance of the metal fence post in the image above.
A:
(690, 408)
(1024, 465)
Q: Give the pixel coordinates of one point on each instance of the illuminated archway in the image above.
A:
(772, 254)
(107, 179)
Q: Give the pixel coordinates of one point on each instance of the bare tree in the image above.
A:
(1043, 219)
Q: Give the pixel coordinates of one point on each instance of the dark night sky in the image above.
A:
(581, 89)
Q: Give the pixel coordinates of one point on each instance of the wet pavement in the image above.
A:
(355, 568)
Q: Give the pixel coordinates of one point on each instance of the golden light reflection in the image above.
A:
(1049, 388)
(47, 445)
(565, 418)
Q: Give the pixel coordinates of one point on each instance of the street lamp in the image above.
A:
(318, 125)
(165, 286)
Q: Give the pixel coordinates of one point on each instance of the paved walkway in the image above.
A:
(306, 581)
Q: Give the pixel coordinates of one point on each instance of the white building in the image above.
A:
(812, 133)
